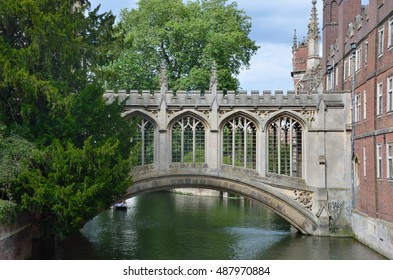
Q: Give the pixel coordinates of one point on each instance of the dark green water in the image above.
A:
(172, 226)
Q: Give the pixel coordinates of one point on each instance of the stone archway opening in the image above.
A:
(299, 217)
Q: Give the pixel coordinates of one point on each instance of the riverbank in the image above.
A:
(374, 233)
(16, 239)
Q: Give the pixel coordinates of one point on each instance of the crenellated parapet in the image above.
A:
(231, 99)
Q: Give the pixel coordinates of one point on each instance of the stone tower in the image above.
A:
(306, 60)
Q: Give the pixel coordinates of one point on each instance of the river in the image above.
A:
(165, 225)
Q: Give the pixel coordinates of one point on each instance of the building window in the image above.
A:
(379, 98)
(357, 108)
(188, 140)
(379, 161)
(145, 137)
(390, 38)
(351, 65)
(330, 80)
(365, 53)
(390, 160)
(390, 94)
(239, 143)
(345, 72)
(380, 41)
(336, 73)
(285, 147)
(358, 59)
(364, 105)
(364, 162)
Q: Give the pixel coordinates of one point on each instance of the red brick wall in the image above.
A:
(299, 61)
(375, 196)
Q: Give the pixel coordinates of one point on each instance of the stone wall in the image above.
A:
(16, 240)
(198, 192)
(375, 233)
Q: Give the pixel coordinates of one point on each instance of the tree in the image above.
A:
(189, 38)
(51, 105)
(15, 155)
(47, 51)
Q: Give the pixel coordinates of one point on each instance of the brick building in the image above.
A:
(357, 46)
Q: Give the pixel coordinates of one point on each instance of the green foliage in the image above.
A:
(69, 185)
(64, 153)
(15, 154)
(7, 212)
(188, 37)
(47, 51)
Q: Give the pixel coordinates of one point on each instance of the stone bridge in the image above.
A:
(290, 151)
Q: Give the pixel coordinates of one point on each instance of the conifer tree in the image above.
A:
(51, 103)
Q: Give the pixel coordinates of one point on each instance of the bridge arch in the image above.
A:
(298, 216)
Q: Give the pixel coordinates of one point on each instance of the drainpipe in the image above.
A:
(353, 53)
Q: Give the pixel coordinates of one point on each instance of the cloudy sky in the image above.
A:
(273, 22)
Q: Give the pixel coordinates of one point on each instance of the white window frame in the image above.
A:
(364, 105)
(350, 63)
(330, 80)
(380, 42)
(389, 95)
(364, 162)
(379, 98)
(390, 34)
(389, 160)
(358, 59)
(345, 73)
(365, 53)
(379, 161)
(357, 107)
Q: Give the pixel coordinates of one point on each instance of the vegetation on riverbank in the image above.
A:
(7, 212)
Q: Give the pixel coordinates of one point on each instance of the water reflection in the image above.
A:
(172, 226)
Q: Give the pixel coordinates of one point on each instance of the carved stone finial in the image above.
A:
(313, 29)
(163, 79)
(294, 46)
(213, 77)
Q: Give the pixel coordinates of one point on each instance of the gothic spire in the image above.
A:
(313, 29)
(294, 46)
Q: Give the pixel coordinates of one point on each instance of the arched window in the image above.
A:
(188, 140)
(285, 147)
(239, 143)
(145, 136)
